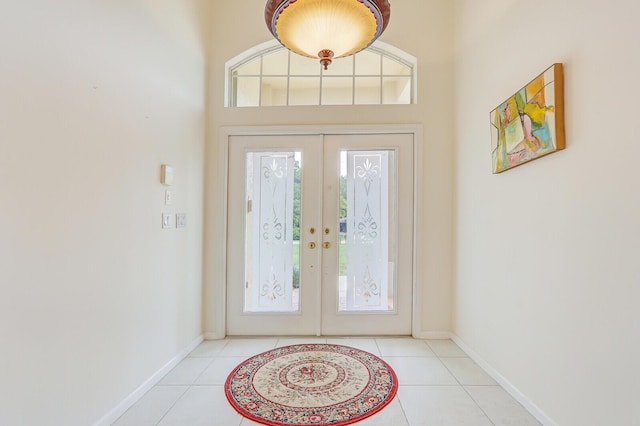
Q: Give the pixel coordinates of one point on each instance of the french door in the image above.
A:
(320, 234)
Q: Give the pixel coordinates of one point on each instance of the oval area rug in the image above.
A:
(313, 384)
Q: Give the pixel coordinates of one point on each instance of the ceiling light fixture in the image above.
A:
(327, 29)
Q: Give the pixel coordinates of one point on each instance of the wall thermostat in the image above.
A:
(166, 174)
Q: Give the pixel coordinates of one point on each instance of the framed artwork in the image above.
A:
(530, 124)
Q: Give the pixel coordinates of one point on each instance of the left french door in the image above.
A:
(272, 246)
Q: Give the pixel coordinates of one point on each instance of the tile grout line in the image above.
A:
(466, 391)
(378, 346)
(173, 405)
(406, 419)
(189, 387)
(431, 386)
(478, 405)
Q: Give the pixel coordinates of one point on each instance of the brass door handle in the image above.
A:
(312, 245)
(326, 244)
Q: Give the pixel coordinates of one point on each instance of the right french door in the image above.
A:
(327, 234)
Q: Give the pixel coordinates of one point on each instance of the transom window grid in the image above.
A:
(278, 77)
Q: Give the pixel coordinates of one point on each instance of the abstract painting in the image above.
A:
(530, 124)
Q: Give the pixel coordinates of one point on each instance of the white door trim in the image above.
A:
(220, 278)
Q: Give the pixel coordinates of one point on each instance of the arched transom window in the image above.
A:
(270, 75)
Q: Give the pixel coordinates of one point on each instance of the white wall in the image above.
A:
(547, 275)
(433, 49)
(94, 296)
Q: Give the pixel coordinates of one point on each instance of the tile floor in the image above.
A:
(439, 385)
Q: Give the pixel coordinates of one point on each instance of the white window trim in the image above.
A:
(263, 48)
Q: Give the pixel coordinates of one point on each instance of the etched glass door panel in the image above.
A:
(272, 271)
(269, 233)
(367, 262)
(368, 283)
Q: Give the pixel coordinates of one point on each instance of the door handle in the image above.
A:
(326, 245)
(312, 245)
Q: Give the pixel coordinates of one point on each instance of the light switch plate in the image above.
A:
(166, 221)
(168, 197)
(181, 220)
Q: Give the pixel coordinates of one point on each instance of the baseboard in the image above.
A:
(126, 403)
(506, 384)
(213, 335)
(434, 335)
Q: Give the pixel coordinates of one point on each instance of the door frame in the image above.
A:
(226, 132)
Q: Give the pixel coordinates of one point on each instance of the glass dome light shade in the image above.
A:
(315, 27)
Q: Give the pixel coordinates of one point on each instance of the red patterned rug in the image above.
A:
(314, 384)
